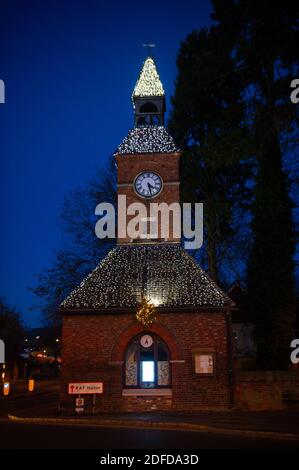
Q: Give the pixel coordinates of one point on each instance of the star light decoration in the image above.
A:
(164, 272)
(148, 83)
(147, 139)
(146, 313)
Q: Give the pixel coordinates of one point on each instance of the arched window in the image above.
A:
(151, 120)
(154, 120)
(148, 108)
(147, 363)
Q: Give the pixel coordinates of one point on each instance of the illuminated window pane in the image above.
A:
(131, 373)
(148, 371)
(163, 373)
(131, 366)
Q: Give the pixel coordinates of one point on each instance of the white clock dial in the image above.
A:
(146, 341)
(148, 184)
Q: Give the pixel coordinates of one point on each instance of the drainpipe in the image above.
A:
(231, 381)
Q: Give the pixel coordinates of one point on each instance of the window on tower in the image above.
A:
(148, 108)
(150, 120)
(154, 120)
(141, 121)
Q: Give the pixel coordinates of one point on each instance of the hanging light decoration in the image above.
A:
(147, 139)
(148, 83)
(146, 313)
(164, 272)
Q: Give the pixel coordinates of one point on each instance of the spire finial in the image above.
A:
(149, 47)
(148, 83)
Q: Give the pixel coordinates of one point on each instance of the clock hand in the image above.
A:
(150, 187)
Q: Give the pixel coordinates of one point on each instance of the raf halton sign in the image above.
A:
(85, 388)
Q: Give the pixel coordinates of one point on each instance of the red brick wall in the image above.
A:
(166, 165)
(93, 349)
(266, 390)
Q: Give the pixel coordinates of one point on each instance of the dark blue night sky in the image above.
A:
(69, 68)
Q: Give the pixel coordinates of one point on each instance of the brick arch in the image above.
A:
(127, 335)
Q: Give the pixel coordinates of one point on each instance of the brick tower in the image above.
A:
(183, 359)
(148, 159)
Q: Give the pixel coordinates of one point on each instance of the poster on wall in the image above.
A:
(204, 364)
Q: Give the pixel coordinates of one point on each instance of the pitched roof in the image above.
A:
(147, 139)
(165, 274)
(148, 83)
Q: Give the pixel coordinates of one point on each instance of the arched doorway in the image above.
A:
(147, 363)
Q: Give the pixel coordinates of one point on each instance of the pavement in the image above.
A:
(281, 424)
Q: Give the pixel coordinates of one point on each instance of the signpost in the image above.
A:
(84, 388)
(79, 405)
(79, 402)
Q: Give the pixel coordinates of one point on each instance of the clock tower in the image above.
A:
(148, 160)
(147, 329)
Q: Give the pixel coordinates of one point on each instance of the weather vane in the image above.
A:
(149, 47)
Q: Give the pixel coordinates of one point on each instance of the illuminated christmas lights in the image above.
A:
(146, 313)
(147, 139)
(148, 83)
(147, 276)
(130, 273)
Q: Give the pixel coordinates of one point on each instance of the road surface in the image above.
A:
(52, 436)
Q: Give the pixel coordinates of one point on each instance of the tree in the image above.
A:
(12, 331)
(83, 250)
(207, 120)
(265, 38)
(233, 117)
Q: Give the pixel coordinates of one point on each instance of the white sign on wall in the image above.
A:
(85, 388)
(204, 364)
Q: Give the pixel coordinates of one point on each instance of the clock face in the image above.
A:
(146, 341)
(148, 184)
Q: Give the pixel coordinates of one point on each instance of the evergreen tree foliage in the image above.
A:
(207, 120)
(265, 36)
(233, 117)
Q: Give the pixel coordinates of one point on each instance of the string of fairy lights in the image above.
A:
(147, 139)
(146, 313)
(166, 275)
(148, 83)
(144, 277)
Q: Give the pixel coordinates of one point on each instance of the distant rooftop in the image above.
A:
(147, 139)
(148, 83)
